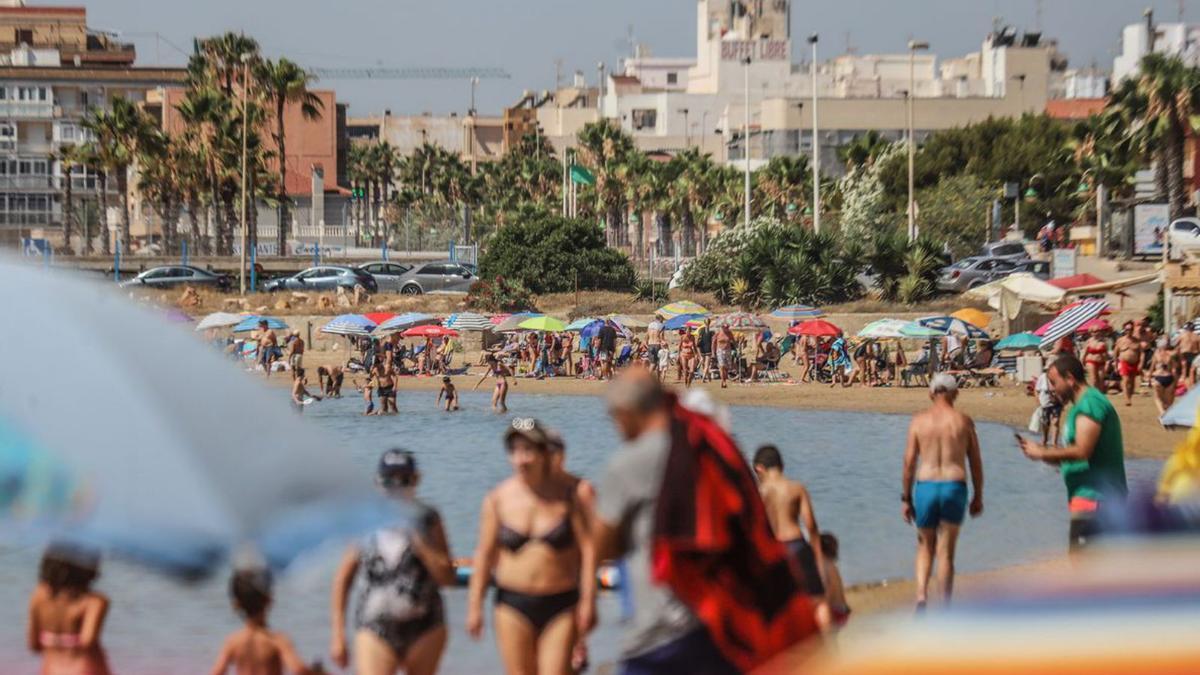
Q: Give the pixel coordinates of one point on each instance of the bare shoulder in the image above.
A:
(97, 600)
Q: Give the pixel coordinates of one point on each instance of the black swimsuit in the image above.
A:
(538, 610)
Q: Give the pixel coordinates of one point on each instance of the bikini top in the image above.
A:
(558, 538)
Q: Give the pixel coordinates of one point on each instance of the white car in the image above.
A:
(1185, 235)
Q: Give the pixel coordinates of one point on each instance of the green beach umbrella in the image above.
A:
(542, 323)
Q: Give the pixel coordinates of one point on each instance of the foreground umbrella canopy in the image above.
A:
(433, 331)
(681, 307)
(250, 323)
(219, 320)
(797, 313)
(815, 328)
(467, 321)
(973, 316)
(542, 323)
(1020, 341)
(897, 329)
(949, 324)
(349, 324)
(172, 456)
(406, 321)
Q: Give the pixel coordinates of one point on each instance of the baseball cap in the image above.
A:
(397, 466)
(528, 428)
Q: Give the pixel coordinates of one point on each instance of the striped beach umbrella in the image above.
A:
(740, 321)
(406, 321)
(1066, 323)
(681, 307)
(797, 313)
(349, 324)
(467, 321)
(251, 323)
(681, 321)
(947, 325)
(378, 318)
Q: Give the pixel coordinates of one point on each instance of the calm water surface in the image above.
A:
(850, 462)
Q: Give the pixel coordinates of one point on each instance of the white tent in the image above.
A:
(1007, 294)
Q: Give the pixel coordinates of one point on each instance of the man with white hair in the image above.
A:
(941, 441)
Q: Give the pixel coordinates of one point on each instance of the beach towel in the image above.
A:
(839, 356)
(713, 547)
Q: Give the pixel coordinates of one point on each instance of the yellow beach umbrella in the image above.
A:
(973, 317)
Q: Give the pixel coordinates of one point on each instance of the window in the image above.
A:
(672, 78)
(431, 269)
(645, 118)
(397, 269)
(24, 35)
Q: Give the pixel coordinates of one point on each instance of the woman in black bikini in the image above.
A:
(534, 543)
(1164, 369)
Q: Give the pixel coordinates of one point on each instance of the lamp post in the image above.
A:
(816, 141)
(245, 129)
(687, 137)
(913, 46)
(703, 131)
(746, 137)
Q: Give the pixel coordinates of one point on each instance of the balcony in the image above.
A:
(28, 109)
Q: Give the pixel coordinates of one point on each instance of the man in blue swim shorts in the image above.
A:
(941, 442)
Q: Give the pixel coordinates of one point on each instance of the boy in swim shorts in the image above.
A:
(449, 393)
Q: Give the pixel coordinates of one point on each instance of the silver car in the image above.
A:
(1009, 250)
(973, 272)
(387, 274)
(435, 277)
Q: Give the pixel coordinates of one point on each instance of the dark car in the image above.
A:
(174, 276)
(324, 278)
(444, 276)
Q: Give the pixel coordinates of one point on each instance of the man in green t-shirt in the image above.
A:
(1092, 459)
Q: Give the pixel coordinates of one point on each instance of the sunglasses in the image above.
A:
(523, 423)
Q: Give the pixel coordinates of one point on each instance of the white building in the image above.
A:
(1175, 39)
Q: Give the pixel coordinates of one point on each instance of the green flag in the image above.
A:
(582, 175)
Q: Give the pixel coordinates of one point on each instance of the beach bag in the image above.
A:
(1035, 421)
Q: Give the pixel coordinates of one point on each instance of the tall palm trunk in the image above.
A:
(639, 245)
(123, 195)
(105, 238)
(663, 221)
(1176, 189)
(282, 232)
(229, 203)
(68, 208)
(198, 240)
(1159, 156)
(689, 233)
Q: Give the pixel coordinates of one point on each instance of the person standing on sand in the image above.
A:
(607, 335)
(704, 340)
(1189, 348)
(268, 346)
(723, 343)
(790, 511)
(1129, 361)
(941, 442)
(1092, 459)
(654, 338)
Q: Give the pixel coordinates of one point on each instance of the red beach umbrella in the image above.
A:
(815, 328)
(430, 331)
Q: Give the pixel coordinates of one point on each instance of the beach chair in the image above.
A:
(623, 356)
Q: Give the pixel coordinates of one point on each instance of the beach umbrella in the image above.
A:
(542, 323)
(250, 323)
(349, 324)
(172, 457)
(512, 322)
(430, 330)
(219, 320)
(467, 321)
(1183, 412)
(973, 317)
(897, 329)
(1075, 305)
(1020, 341)
(592, 329)
(815, 328)
(378, 318)
(681, 321)
(1076, 281)
(947, 325)
(628, 321)
(1101, 325)
(1070, 319)
(797, 313)
(740, 321)
(581, 323)
(681, 307)
(406, 321)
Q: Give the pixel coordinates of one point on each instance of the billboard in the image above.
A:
(1150, 223)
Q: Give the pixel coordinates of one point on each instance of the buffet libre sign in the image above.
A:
(756, 50)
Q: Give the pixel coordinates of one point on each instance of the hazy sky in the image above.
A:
(525, 37)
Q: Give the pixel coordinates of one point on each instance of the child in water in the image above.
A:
(66, 616)
(366, 386)
(256, 649)
(835, 592)
(450, 393)
(300, 395)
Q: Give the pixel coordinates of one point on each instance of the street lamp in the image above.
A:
(816, 141)
(913, 46)
(687, 138)
(746, 137)
(245, 130)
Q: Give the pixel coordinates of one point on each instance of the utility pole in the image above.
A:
(816, 141)
(913, 46)
(746, 138)
(245, 137)
(687, 137)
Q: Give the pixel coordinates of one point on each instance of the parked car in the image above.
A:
(1038, 268)
(324, 278)
(173, 276)
(1009, 250)
(1185, 235)
(973, 272)
(441, 276)
(387, 274)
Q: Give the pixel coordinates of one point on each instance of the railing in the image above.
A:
(332, 232)
(39, 109)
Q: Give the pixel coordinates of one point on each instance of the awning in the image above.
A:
(1114, 286)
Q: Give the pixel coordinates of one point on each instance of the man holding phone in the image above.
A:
(1092, 459)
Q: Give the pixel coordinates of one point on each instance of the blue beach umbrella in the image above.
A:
(954, 325)
(579, 324)
(349, 324)
(406, 321)
(797, 313)
(171, 457)
(251, 323)
(1021, 341)
(681, 321)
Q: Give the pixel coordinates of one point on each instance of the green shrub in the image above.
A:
(499, 295)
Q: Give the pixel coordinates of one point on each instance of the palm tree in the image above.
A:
(283, 82)
(68, 159)
(603, 147)
(863, 150)
(783, 186)
(635, 174)
(119, 132)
